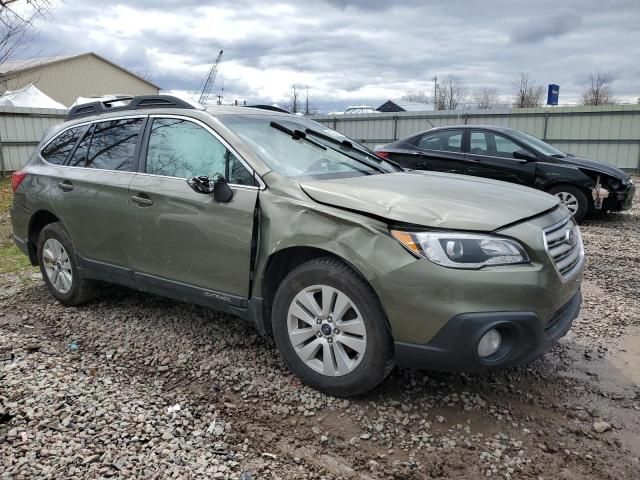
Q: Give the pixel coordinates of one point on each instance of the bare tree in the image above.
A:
(143, 74)
(485, 98)
(419, 96)
(526, 92)
(307, 106)
(16, 27)
(450, 93)
(294, 99)
(599, 92)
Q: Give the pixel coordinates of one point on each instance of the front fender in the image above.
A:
(362, 242)
(550, 174)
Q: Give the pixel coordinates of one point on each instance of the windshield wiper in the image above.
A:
(296, 134)
(300, 135)
(348, 144)
(352, 146)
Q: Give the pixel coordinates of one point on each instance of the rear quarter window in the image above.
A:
(57, 150)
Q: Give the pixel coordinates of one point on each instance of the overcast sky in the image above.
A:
(355, 52)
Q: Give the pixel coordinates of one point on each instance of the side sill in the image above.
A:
(221, 301)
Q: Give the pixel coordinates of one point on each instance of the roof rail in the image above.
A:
(133, 103)
(272, 108)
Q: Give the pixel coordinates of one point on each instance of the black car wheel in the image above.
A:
(57, 260)
(331, 330)
(573, 198)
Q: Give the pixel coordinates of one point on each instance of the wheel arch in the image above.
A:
(584, 189)
(38, 221)
(280, 263)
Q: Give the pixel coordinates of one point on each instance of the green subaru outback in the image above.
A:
(352, 264)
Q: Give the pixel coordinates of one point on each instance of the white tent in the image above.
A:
(28, 96)
(103, 98)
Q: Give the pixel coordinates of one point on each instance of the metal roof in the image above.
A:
(408, 106)
(32, 63)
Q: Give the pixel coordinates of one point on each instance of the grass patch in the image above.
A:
(12, 260)
(6, 194)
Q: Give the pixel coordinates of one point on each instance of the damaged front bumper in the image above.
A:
(525, 337)
(610, 199)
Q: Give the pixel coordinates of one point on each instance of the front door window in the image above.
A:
(181, 148)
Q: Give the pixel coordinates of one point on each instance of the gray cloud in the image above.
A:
(556, 27)
(359, 51)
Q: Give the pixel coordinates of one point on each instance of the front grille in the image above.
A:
(564, 245)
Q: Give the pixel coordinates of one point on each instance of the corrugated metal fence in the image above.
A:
(21, 129)
(608, 133)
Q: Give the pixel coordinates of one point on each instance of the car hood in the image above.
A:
(437, 200)
(595, 166)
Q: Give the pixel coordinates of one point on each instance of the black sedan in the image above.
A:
(513, 156)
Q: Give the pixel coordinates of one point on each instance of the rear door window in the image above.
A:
(479, 144)
(56, 151)
(79, 157)
(113, 145)
(183, 149)
(446, 140)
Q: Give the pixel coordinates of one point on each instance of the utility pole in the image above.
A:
(435, 92)
(220, 97)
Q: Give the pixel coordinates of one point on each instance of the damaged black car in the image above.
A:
(584, 186)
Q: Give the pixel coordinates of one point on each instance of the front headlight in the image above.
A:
(462, 250)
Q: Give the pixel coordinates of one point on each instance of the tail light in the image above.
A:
(17, 178)
(383, 154)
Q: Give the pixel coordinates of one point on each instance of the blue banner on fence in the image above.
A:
(553, 94)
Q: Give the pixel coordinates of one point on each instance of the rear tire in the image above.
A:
(59, 268)
(573, 198)
(331, 330)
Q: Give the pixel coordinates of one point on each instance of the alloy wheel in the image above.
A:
(57, 265)
(326, 330)
(568, 200)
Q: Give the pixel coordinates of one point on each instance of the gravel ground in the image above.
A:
(138, 386)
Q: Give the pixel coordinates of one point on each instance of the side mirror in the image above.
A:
(524, 155)
(201, 184)
(222, 192)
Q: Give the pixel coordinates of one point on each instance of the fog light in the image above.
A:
(489, 343)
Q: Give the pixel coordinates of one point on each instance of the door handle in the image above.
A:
(142, 200)
(67, 186)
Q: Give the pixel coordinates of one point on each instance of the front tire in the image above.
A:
(330, 329)
(57, 261)
(573, 198)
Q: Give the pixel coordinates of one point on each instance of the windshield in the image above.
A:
(537, 144)
(305, 155)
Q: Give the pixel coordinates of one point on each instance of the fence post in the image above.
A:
(466, 117)
(395, 127)
(2, 157)
(546, 121)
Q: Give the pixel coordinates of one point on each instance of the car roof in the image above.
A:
(163, 104)
(497, 128)
(237, 110)
(214, 111)
(180, 107)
